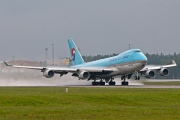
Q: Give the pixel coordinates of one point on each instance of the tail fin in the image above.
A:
(76, 57)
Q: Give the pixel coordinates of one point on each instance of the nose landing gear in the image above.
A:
(137, 77)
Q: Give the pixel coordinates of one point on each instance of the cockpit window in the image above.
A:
(137, 51)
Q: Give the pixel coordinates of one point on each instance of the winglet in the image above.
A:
(173, 62)
(6, 63)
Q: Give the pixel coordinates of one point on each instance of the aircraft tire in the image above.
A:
(125, 83)
(94, 83)
(101, 83)
(112, 83)
(122, 83)
(137, 78)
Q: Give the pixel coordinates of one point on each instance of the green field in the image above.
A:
(52, 103)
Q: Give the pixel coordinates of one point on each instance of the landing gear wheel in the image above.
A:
(94, 83)
(137, 78)
(101, 83)
(125, 83)
(112, 83)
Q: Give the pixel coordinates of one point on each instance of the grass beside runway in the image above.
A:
(88, 103)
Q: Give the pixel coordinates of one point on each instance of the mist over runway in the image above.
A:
(36, 78)
(26, 77)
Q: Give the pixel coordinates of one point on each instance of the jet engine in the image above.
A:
(163, 72)
(83, 75)
(149, 74)
(48, 73)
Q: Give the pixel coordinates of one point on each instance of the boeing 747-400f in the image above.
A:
(104, 70)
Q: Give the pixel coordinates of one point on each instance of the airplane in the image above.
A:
(124, 64)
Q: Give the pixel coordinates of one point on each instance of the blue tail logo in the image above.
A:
(76, 57)
(73, 54)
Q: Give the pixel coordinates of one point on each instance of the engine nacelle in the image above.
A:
(149, 74)
(163, 72)
(83, 75)
(48, 74)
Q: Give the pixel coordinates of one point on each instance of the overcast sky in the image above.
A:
(27, 27)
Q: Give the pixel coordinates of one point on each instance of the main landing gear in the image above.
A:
(98, 83)
(111, 82)
(124, 82)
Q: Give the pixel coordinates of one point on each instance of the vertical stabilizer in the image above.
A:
(76, 57)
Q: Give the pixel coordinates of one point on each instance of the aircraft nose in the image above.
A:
(144, 58)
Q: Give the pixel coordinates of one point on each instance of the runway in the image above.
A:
(129, 86)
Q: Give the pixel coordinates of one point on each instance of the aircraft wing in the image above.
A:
(66, 69)
(28, 67)
(55, 69)
(74, 70)
(150, 67)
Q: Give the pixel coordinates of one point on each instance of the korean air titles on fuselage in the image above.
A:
(119, 58)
